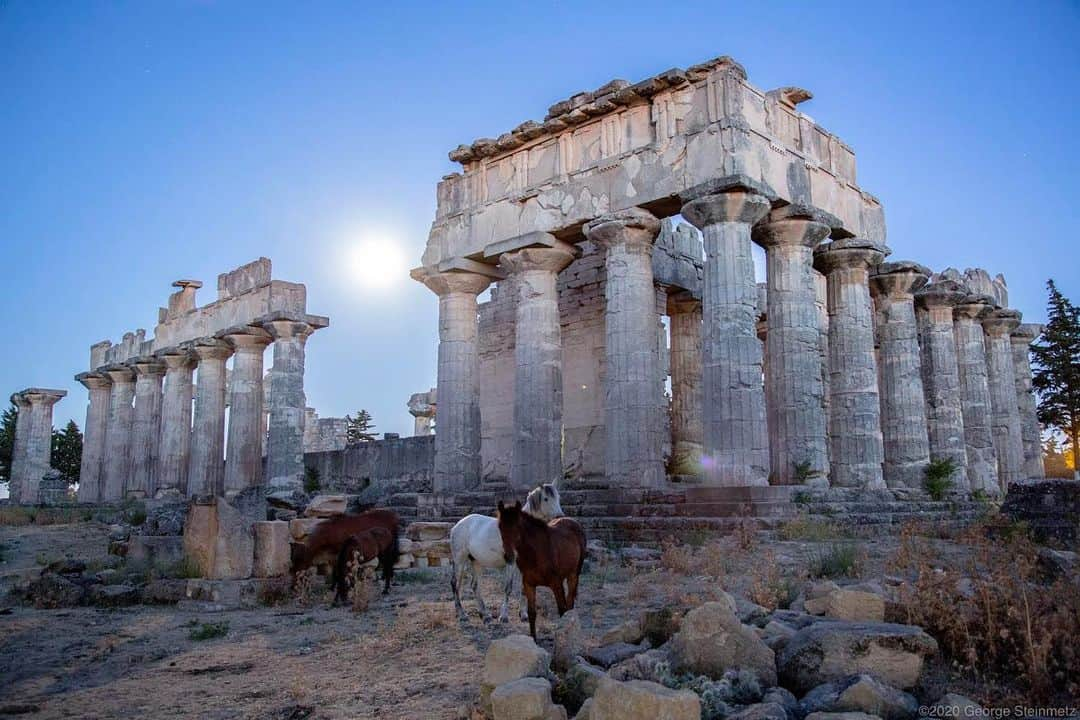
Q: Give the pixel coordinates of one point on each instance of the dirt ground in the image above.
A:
(407, 656)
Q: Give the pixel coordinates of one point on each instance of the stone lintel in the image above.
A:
(683, 301)
(529, 239)
(1027, 333)
(460, 264)
(726, 184)
(1001, 321)
(849, 253)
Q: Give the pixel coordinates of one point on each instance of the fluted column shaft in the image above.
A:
(1001, 381)
(206, 469)
(903, 402)
(93, 450)
(118, 433)
(687, 419)
(631, 406)
(856, 452)
(243, 459)
(1030, 430)
(285, 434)
(735, 431)
(538, 390)
(174, 444)
(794, 389)
(18, 470)
(145, 429)
(941, 376)
(975, 395)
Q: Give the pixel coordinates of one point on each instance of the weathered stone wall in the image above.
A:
(376, 469)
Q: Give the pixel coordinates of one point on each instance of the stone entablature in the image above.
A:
(642, 145)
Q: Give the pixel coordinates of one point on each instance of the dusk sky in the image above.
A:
(142, 142)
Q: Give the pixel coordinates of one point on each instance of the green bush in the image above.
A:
(311, 480)
(937, 478)
(208, 631)
(836, 560)
(804, 471)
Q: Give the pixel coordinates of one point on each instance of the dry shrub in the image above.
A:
(714, 560)
(304, 587)
(361, 590)
(676, 558)
(275, 591)
(639, 587)
(770, 587)
(991, 612)
(745, 531)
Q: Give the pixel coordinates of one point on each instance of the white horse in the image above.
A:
(475, 542)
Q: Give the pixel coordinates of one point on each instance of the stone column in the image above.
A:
(206, 469)
(93, 451)
(1001, 380)
(794, 390)
(538, 401)
(118, 432)
(735, 432)
(37, 449)
(145, 428)
(903, 403)
(856, 452)
(687, 430)
(457, 435)
(975, 393)
(243, 459)
(941, 374)
(174, 444)
(631, 408)
(17, 477)
(287, 402)
(1030, 430)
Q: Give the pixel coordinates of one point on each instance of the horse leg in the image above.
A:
(508, 587)
(341, 569)
(388, 558)
(457, 574)
(571, 595)
(530, 599)
(476, 571)
(560, 596)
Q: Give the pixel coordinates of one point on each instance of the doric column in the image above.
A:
(1001, 380)
(145, 428)
(37, 452)
(631, 407)
(687, 430)
(975, 393)
(856, 452)
(941, 374)
(903, 403)
(1030, 430)
(93, 451)
(118, 432)
(285, 434)
(243, 459)
(174, 444)
(538, 401)
(17, 472)
(457, 436)
(206, 470)
(735, 432)
(794, 390)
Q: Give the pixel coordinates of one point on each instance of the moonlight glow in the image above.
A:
(376, 262)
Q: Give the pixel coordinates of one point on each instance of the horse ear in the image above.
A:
(555, 483)
(501, 506)
(517, 504)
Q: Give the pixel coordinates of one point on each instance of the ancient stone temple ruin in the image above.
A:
(846, 368)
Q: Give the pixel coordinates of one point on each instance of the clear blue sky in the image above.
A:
(141, 142)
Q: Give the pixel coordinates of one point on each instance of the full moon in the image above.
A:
(376, 262)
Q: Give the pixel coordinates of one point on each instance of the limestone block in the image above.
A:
(711, 640)
(569, 641)
(272, 554)
(628, 632)
(199, 529)
(324, 506)
(843, 604)
(525, 699)
(512, 658)
(761, 711)
(300, 528)
(430, 548)
(861, 693)
(642, 700)
(155, 549)
(428, 530)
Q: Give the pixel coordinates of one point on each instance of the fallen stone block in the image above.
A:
(156, 549)
(711, 640)
(113, 595)
(642, 700)
(761, 711)
(525, 699)
(845, 604)
(324, 506)
(272, 552)
(512, 658)
(428, 530)
(861, 693)
(607, 655)
(569, 641)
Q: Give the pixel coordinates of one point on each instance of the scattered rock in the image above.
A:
(751, 613)
(581, 681)
(165, 591)
(1057, 563)
(831, 651)
(642, 700)
(585, 713)
(569, 641)
(114, 595)
(324, 506)
(607, 655)
(512, 658)
(711, 640)
(636, 553)
(761, 711)
(54, 591)
(784, 699)
(845, 604)
(119, 533)
(629, 632)
(67, 566)
(639, 667)
(525, 699)
(861, 693)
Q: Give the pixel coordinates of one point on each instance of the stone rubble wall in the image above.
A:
(374, 470)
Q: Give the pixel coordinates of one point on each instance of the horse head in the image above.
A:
(509, 528)
(543, 502)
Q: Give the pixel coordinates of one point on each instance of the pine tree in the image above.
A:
(7, 441)
(359, 428)
(67, 451)
(1056, 376)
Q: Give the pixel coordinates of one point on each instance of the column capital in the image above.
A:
(19, 401)
(940, 293)
(287, 329)
(119, 374)
(739, 205)
(553, 259)
(794, 225)
(42, 396)
(175, 358)
(1001, 322)
(246, 337)
(452, 281)
(632, 226)
(974, 307)
(209, 348)
(683, 302)
(849, 253)
(1026, 333)
(93, 380)
(898, 279)
(146, 365)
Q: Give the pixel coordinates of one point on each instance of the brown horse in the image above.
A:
(367, 545)
(547, 554)
(333, 535)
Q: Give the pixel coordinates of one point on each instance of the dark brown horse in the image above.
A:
(547, 554)
(367, 545)
(338, 536)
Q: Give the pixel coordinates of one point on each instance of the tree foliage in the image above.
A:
(1056, 376)
(359, 429)
(67, 451)
(7, 441)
